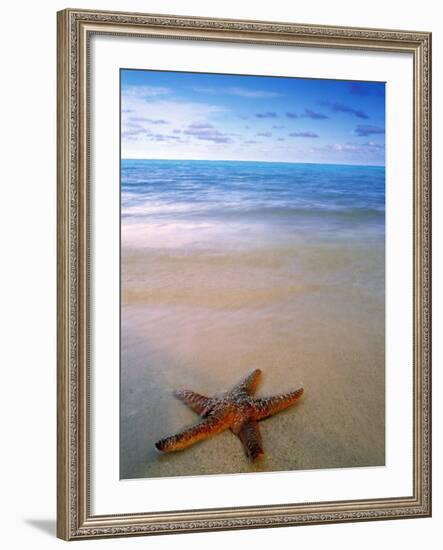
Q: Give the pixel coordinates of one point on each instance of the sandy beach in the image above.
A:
(204, 304)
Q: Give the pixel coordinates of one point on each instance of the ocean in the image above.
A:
(292, 198)
(229, 266)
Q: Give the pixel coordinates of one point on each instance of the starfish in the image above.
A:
(237, 410)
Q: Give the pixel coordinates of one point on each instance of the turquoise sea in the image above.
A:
(292, 197)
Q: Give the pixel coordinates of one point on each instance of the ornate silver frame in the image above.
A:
(74, 519)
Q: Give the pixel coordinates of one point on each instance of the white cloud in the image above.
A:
(245, 92)
(138, 136)
(238, 91)
(143, 92)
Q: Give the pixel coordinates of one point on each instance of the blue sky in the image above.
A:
(173, 115)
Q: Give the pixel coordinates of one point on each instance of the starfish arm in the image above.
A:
(198, 403)
(208, 427)
(272, 405)
(250, 437)
(248, 384)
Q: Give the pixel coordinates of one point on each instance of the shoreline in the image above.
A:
(203, 326)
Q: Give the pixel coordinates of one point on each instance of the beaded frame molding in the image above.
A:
(74, 518)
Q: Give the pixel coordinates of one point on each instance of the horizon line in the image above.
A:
(260, 161)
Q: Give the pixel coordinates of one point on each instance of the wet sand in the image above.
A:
(307, 314)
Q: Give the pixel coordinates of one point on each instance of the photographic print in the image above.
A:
(243, 274)
(252, 274)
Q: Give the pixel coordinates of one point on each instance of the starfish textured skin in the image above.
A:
(237, 410)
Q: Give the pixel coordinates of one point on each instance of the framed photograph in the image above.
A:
(244, 292)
